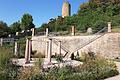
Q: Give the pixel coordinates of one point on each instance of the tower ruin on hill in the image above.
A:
(66, 9)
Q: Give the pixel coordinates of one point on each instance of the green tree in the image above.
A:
(51, 25)
(27, 22)
(15, 27)
(4, 30)
(94, 14)
(59, 23)
(43, 27)
(84, 6)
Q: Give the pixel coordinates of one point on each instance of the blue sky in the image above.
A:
(41, 10)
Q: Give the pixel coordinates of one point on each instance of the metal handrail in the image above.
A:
(56, 42)
(78, 48)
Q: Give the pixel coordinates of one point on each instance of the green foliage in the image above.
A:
(92, 69)
(59, 73)
(31, 73)
(15, 27)
(97, 69)
(4, 30)
(5, 55)
(7, 70)
(27, 22)
(42, 28)
(22, 45)
(38, 62)
(116, 30)
(55, 25)
(94, 14)
(59, 58)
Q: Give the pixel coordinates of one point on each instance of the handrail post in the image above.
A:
(1, 42)
(109, 27)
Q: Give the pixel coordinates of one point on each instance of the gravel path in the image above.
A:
(118, 76)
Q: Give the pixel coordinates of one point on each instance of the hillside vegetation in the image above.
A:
(94, 14)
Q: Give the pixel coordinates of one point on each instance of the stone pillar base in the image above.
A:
(27, 62)
(50, 63)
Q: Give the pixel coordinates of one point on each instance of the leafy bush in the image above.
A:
(30, 73)
(59, 73)
(38, 62)
(99, 68)
(7, 70)
(22, 44)
(92, 69)
(59, 58)
(5, 55)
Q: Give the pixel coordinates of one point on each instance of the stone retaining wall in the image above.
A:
(107, 45)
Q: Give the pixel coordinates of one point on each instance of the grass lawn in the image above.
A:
(116, 30)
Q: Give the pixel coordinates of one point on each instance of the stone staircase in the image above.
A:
(65, 44)
(97, 36)
(55, 41)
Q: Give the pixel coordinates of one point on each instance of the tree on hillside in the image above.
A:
(84, 6)
(4, 30)
(43, 27)
(15, 27)
(99, 2)
(59, 24)
(59, 20)
(94, 14)
(27, 22)
(51, 25)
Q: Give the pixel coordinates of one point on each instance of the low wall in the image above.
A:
(107, 45)
(69, 43)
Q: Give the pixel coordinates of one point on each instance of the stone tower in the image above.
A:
(66, 9)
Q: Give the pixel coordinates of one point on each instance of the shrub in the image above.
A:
(38, 62)
(5, 55)
(30, 73)
(98, 68)
(93, 69)
(59, 58)
(22, 44)
(7, 70)
(59, 73)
